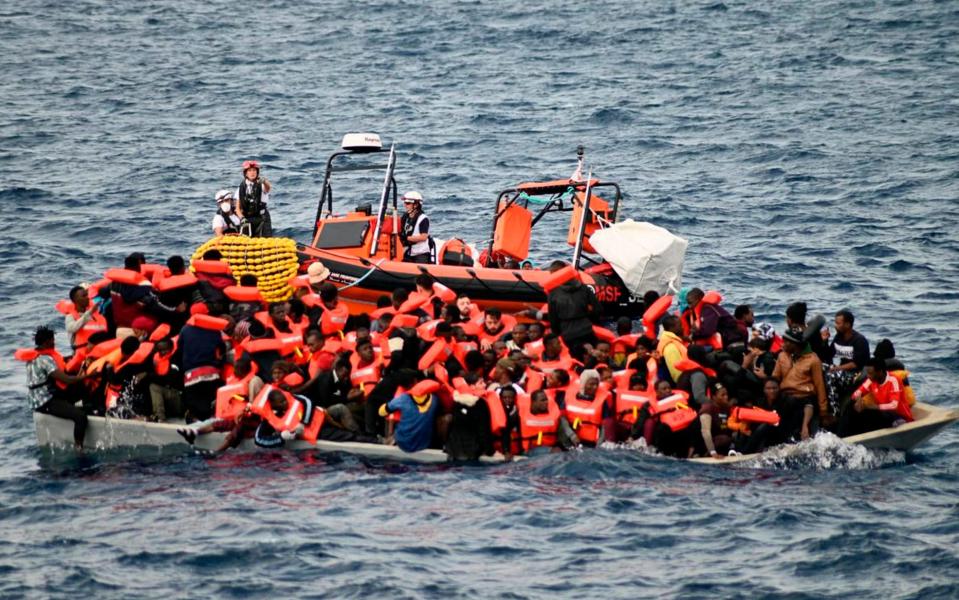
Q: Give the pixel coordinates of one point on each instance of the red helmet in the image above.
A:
(247, 164)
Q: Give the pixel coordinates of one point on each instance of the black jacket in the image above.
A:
(573, 308)
(469, 436)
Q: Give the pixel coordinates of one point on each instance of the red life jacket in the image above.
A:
(537, 430)
(586, 416)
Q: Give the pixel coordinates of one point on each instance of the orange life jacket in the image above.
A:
(755, 415)
(137, 358)
(289, 421)
(679, 419)
(312, 431)
(537, 430)
(334, 319)
(427, 331)
(498, 420)
(676, 400)
(238, 293)
(628, 403)
(563, 363)
(208, 322)
(125, 276)
(654, 313)
(436, 354)
(175, 282)
(360, 376)
(586, 416)
(94, 324)
(694, 316)
(231, 399)
(211, 267)
(534, 349)
(31, 354)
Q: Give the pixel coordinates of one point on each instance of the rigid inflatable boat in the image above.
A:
(362, 247)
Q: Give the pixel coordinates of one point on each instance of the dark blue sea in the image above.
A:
(808, 150)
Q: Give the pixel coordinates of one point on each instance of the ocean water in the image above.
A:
(808, 151)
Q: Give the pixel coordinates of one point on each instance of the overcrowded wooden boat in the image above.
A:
(105, 433)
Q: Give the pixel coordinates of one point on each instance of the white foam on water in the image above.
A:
(823, 452)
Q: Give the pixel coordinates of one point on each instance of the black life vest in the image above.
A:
(231, 226)
(252, 204)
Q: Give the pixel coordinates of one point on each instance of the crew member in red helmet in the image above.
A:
(252, 198)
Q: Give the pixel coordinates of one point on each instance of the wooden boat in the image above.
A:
(362, 248)
(930, 420)
(105, 433)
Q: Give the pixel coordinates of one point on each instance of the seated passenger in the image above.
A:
(878, 403)
(84, 318)
(468, 425)
(713, 416)
(165, 383)
(418, 413)
(543, 427)
(799, 372)
(48, 385)
(851, 348)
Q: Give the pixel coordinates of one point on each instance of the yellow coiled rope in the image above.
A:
(272, 260)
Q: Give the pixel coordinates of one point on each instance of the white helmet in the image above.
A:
(413, 197)
(223, 196)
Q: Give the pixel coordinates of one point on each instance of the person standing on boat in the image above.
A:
(225, 220)
(415, 231)
(573, 308)
(253, 197)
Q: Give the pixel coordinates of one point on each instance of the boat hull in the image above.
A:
(104, 434)
(108, 434)
(929, 420)
(511, 290)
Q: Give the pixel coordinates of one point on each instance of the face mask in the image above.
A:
(225, 207)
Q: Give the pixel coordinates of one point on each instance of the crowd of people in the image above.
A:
(429, 369)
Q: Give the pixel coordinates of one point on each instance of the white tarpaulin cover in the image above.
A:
(646, 256)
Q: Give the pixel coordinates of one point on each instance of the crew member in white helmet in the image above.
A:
(225, 220)
(415, 231)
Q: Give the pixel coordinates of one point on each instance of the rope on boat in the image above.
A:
(273, 261)
(375, 266)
